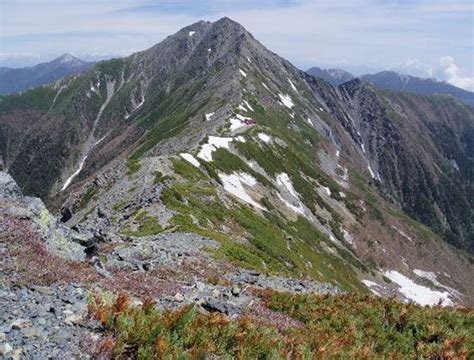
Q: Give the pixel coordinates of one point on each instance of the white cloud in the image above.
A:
(443, 68)
(453, 74)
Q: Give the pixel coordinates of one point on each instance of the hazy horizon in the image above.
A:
(421, 38)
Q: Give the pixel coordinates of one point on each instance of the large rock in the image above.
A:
(59, 239)
(8, 186)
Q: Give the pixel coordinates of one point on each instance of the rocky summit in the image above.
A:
(205, 197)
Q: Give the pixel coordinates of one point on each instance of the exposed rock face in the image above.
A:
(13, 205)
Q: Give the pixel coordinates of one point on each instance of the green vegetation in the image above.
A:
(147, 225)
(351, 326)
(159, 178)
(85, 199)
(133, 166)
(38, 98)
(274, 244)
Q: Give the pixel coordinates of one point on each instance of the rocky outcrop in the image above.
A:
(59, 239)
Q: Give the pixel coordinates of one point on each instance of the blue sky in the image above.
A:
(426, 38)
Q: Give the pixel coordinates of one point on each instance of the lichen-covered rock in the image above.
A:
(8, 186)
(59, 239)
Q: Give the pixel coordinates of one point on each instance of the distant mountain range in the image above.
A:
(333, 76)
(14, 80)
(394, 81)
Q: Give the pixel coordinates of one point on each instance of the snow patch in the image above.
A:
(321, 109)
(286, 100)
(326, 190)
(433, 278)
(297, 209)
(191, 33)
(338, 154)
(348, 237)
(212, 145)
(372, 174)
(402, 233)
(248, 105)
(209, 116)
(284, 180)
(264, 137)
(100, 140)
(422, 295)
(234, 184)
(265, 86)
(70, 178)
(243, 73)
(243, 108)
(191, 159)
(310, 122)
(293, 86)
(371, 285)
(240, 138)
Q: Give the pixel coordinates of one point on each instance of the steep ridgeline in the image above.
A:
(419, 152)
(21, 79)
(210, 133)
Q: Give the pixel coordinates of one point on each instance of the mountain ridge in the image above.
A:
(20, 79)
(227, 140)
(398, 82)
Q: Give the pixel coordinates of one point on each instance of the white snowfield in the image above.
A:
(70, 178)
(265, 86)
(235, 124)
(209, 116)
(264, 137)
(433, 278)
(310, 122)
(243, 73)
(214, 143)
(286, 100)
(234, 184)
(191, 33)
(190, 158)
(421, 295)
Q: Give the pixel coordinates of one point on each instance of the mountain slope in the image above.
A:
(14, 80)
(209, 133)
(332, 76)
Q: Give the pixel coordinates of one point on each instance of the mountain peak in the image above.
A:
(67, 58)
